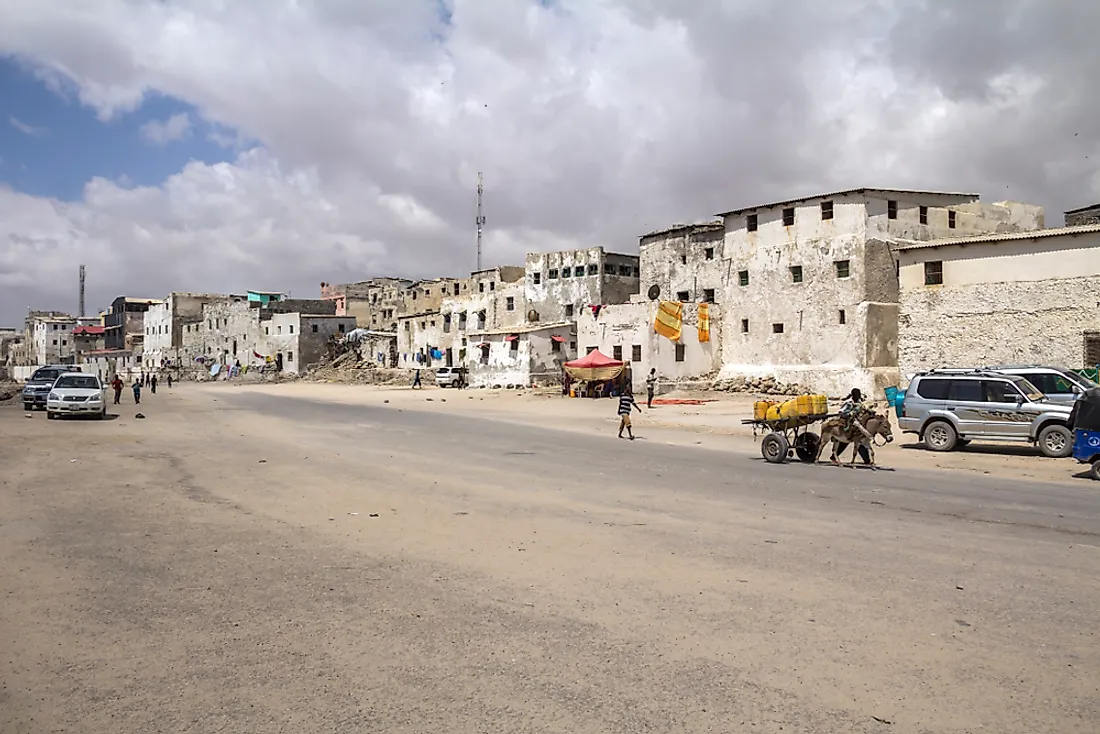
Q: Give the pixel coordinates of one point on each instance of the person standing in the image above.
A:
(626, 403)
(416, 381)
(153, 384)
(117, 385)
(650, 387)
(137, 392)
(169, 379)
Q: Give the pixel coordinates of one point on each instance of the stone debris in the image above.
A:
(760, 385)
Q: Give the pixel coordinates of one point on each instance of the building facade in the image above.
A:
(1031, 297)
(374, 303)
(1082, 216)
(559, 284)
(124, 323)
(166, 322)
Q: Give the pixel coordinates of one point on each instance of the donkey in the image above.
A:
(867, 425)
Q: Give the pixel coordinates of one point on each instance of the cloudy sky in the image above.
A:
(221, 145)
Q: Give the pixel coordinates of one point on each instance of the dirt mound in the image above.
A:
(10, 391)
(761, 385)
(362, 373)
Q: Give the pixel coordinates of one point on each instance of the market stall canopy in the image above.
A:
(594, 366)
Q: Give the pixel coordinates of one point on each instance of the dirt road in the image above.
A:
(246, 560)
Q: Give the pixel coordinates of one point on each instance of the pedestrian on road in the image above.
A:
(137, 392)
(153, 384)
(169, 379)
(650, 387)
(117, 385)
(416, 381)
(626, 403)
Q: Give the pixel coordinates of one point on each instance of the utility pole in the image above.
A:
(82, 291)
(480, 217)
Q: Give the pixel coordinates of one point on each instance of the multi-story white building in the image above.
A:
(49, 338)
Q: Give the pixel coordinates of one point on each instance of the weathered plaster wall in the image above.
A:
(605, 278)
(1084, 215)
(626, 331)
(971, 218)
(676, 262)
(1000, 302)
(417, 334)
(302, 339)
(532, 358)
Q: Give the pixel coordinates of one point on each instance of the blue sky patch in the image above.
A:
(51, 146)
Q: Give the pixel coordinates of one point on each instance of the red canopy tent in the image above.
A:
(594, 366)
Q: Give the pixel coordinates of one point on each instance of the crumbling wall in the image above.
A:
(1083, 216)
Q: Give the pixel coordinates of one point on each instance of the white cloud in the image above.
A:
(361, 126)
(34, 132)
(176, 127)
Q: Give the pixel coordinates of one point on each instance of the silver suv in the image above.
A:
(950, 408)
(1060, 385)
(39, 384)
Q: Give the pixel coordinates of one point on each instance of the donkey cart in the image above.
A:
(787, 438)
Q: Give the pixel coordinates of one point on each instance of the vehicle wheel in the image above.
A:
(806, 446)
(29, 407)
(940, 436)
(1095, 470)
(100, 416)
(1055, 442)
(49, 416)
(774, 448)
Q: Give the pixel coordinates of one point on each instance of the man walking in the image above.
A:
(153, 384)
(169, 379)
(626, 403)
(416, 381)
(117, 385)
(650, 387)
(137, 392)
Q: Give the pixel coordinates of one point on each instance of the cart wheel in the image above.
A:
(806, 446)
(774, 448)
(1095, 472)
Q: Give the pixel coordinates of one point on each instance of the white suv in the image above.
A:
(76, 393)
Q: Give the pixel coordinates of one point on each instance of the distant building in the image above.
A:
(374, 303)
(124, 323)
(1084, 215)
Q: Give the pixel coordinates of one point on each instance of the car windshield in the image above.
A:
(1033, 393)
(85, 382)
(45, 375)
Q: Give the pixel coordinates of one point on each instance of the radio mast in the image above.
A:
(480, 217)
(82, 291)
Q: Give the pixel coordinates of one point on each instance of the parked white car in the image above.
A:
(76, 393)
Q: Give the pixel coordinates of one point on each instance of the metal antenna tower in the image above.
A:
(81, 290)
(480, 217)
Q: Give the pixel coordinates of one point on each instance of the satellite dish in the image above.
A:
(654, 292)
(532, 315)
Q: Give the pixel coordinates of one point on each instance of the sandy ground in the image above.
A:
(308, 558)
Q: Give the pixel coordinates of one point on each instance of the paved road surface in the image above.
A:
(241, 562)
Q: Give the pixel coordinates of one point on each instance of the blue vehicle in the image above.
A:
(1085, 420)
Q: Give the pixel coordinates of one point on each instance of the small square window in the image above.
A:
(291, 328)
(826, 210)
(280, 328)
(514, 345)
(636, 353)
(744, 326)
(742, 277)
(593, 269)
(55, 340)
(423, 325)
(708, 295)
(342, 328)
(510, 304)
(313, 328)
(572, 346)
(267, 329)
(624, 270)
(608, 269)
(290, 356)
(492, 285)
(923, 215)
(480, 288)
(843, 268)
(537, 278)
(683, 296)
(566, 272)
(933, 272)
(709, 253)
(569, 310)
(589, 350)
(752, 222)
(555, 346)
(891, 210)
(680, 352)
(617, 352)
(796, 273)
(788, 217)
(951, 219)
(777, 328)
(842, 318)
(552, 274)
(578, 271)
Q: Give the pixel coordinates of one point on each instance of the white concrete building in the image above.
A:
(1030, 297)
(297, 341)
(526, 355)
(50, 338)
(165, 323)
(559, 284)
(811, 286)
(625, 332)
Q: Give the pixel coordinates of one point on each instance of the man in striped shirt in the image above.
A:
(626, 403)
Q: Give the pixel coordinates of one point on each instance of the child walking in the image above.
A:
(626, 403)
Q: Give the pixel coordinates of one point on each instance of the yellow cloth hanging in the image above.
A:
(670, 319)
(704, 322)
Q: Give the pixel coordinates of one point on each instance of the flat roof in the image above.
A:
(1034, 234)
(843, 192)
(697, 227)
(525, 329)
(1082, 209)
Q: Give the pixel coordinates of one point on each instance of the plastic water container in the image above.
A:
(805, 404)
(760, 409)
(821, 404)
